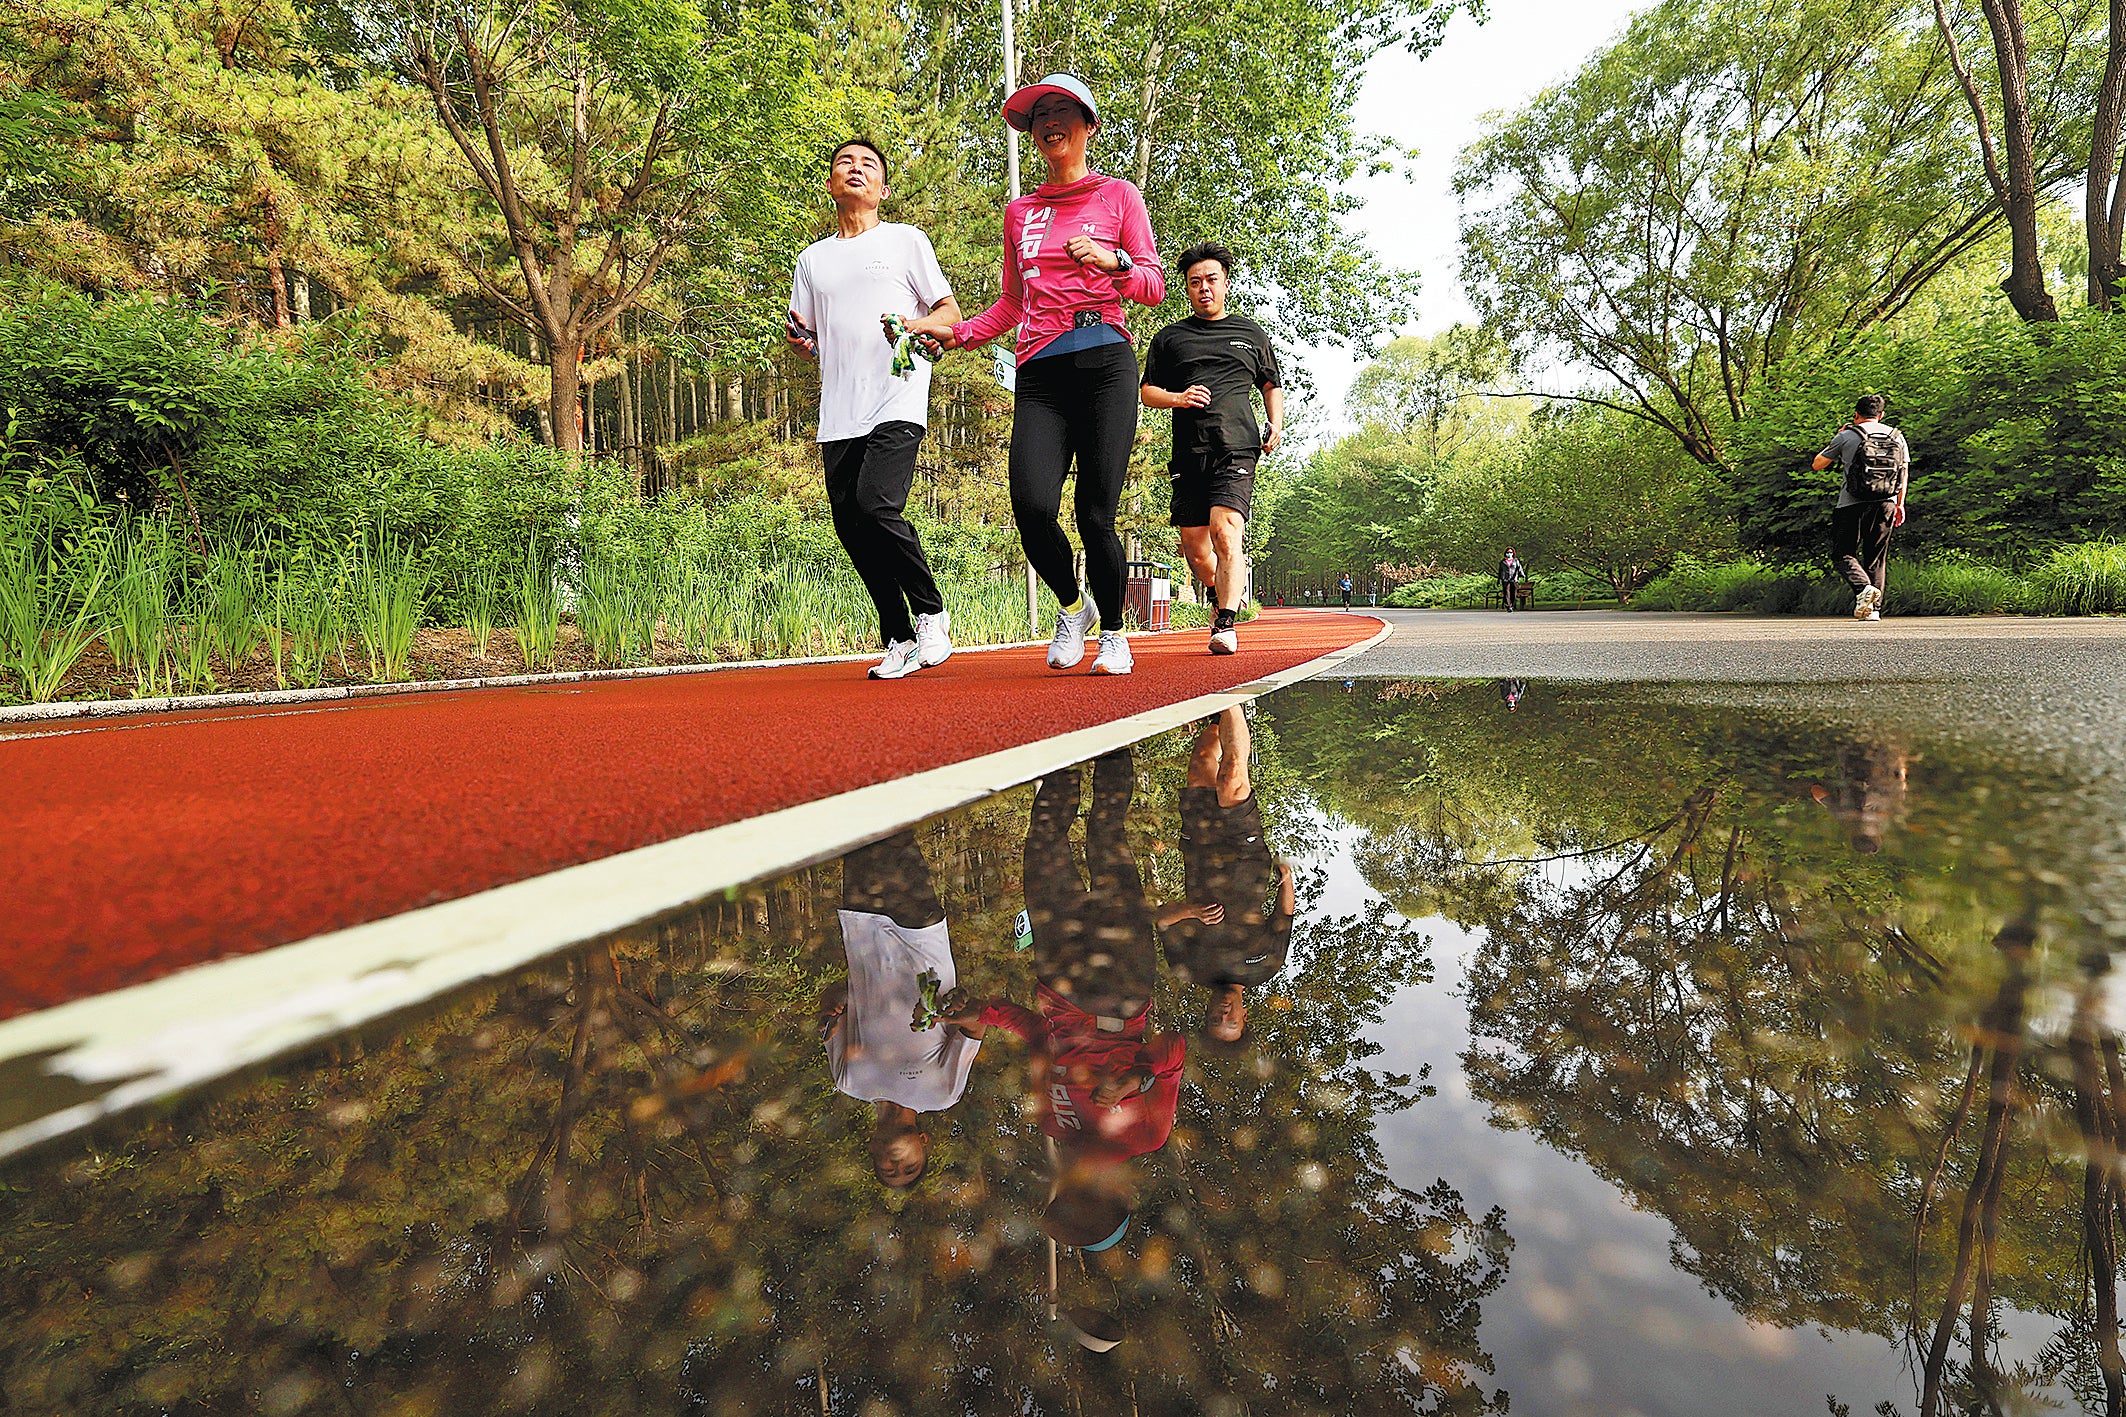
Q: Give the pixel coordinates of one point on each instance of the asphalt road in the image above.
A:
(1623, 645)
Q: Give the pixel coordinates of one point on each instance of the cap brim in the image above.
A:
(1018, 109)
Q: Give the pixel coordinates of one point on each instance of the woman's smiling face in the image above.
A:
(1059, 127)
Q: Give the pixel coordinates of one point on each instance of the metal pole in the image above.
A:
(1011, 177)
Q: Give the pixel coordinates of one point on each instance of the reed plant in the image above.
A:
(52, 591)
(233, 602)
(618, 604)
(535, 600)
(136, 624)
(480, 594)
(390, 587)
(309, 621)
(192, 639)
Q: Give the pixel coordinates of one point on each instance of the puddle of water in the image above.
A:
(1659, 1051)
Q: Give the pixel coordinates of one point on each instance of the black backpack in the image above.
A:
(1871, 469)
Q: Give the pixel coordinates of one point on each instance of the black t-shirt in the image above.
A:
(1225, 859)
(1230, 357)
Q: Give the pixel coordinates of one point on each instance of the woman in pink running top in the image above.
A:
(1075, 248)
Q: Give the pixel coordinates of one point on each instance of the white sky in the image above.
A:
(1435, 105)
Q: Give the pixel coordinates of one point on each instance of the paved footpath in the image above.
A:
(139, 846)
(2070, 654)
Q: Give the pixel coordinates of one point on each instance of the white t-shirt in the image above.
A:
(875, 1054)
(841, 288)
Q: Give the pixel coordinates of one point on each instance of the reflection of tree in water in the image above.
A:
(625, 1184)
(1813, 999)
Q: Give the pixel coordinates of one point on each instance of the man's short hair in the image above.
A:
(1869, 405)
(1205, 251)
(839, 148)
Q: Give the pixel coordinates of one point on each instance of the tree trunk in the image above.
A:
(299, 287)
(565, 403)
(735, 390)
(1148, 104)
(2025, 284)
(2103, 209)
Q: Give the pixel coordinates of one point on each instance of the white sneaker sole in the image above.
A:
(924, 662)
(1867, 603)
(1224, 645)
(1110, 670)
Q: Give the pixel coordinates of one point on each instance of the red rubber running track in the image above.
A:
(142, 846)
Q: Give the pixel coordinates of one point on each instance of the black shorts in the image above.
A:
(1202, 481)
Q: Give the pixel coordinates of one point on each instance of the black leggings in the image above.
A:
(1081, 405)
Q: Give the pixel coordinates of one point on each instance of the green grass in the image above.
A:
(52, 592)
(480, 593)
(390, 592)
(618, 606)
(2087, 579)
(136, 624)
(1470, 592)
(535, 600)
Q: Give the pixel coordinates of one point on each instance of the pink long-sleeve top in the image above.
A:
(1044, 287)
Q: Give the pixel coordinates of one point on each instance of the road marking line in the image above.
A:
(156, 1039)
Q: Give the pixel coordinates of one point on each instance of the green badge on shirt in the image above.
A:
(1023, 927)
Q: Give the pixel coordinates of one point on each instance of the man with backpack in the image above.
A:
(1871, 501)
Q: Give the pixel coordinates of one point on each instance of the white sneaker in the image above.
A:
(901, 661)
(1114, 656)
(933, 638)
(1225, 641)
(1866, 605)
(1068, 645)
(1871, 617)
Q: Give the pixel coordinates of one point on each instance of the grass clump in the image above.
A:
(2084, 579)
(535, 600)
(390, 592)
(52, 591)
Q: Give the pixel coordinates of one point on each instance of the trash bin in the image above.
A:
(1149, 595)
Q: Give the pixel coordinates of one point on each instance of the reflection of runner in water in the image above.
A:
(893, 929)
(1229, 933)
(1106, 1085)
(1510, 692)
(1869, 796)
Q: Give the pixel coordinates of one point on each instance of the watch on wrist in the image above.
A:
(1123, 264)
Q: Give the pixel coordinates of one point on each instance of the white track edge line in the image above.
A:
(178, 1032)
(252, 698)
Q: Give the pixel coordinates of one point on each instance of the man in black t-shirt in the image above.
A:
(1230, 932)
(1206, 369)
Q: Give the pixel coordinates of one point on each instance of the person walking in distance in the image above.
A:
(1871, 500)
(846, 290)
(1075, 248)
(1206, 369)
(1511, 574)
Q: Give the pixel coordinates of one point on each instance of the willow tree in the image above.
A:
(1732, 182)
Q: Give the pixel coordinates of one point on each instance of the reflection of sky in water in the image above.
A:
(1595, 1315)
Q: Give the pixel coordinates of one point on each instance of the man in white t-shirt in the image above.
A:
(894, 930)
(871, 420)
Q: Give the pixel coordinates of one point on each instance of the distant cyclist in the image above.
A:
(1075, 248)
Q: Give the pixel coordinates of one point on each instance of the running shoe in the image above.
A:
(933, 638)
(1114, 656)
(901, 661)
(1068, 646)
(1871, 617)
(1867, 604)
(1226, 641)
